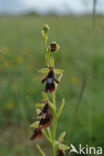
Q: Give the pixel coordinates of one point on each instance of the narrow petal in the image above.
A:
(44, 80)
(56, 80)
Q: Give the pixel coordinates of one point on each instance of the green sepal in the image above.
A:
(58, 71)
(35, 124)
(57, 47)
(41, 104)
(38, 111)
(44, 70)
(63, 147)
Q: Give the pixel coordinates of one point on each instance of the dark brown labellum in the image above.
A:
(60, 153)
(45, 109)
(53, 47)
(36, 134)
(46, 120)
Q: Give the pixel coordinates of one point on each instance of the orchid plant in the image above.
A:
(47, 114)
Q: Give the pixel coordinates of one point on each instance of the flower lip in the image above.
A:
(45, 109)
(46, 121)
(50, 80)
(46, 116)
(36, 134)
(53, 47)
(50, 87)
(60, 153)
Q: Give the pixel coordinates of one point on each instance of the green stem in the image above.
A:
(54, 127)
(45, 47)
(50, 137)
(49, 132)
(54, 98)
(53, 136)
(45, 42)
(53, 150)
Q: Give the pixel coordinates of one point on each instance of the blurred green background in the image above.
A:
(21, 56)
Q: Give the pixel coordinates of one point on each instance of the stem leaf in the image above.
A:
(61, 107)
(41, 151)
(53, 108)
(46, 136)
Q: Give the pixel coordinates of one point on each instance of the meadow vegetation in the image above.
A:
(81, 56)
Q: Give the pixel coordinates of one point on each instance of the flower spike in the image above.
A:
(47, 108)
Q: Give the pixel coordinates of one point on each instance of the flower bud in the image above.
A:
(46, 28)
